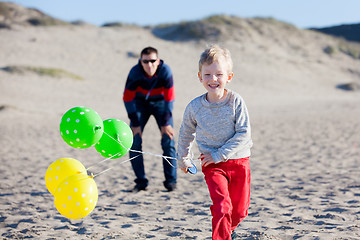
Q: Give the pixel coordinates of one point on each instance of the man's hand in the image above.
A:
(168, 130)
(206, 159)
(136, 130)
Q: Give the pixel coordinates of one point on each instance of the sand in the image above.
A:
(306, 133)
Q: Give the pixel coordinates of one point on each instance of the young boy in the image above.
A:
(219, 120)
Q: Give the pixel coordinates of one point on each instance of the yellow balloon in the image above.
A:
(61, 169)
(76, 196)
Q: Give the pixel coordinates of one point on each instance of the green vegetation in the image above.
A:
(208, 28)
(350, 48)
(42, 71)
(219, 20)
(184, 31)
(273, 21)
(113, 24)
(330, 50)
(119, 25)
(46, 21)
(216, 28)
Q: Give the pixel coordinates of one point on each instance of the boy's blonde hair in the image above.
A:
(214, 54)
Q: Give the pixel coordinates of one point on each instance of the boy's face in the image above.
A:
(150, 63)
(215, 76)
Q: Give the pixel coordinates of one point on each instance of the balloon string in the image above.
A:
(156, 155)
(106, 159)
(97, 174)
(191, 158)
(128, 149)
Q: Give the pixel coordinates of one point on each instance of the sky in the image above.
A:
(301, 13)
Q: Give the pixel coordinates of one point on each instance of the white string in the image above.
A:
(102, 161)
(128, 149)
(191, 158)
(113, 167)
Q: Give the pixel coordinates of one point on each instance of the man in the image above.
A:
(149, 90)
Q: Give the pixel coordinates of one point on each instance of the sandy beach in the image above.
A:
(306, 132)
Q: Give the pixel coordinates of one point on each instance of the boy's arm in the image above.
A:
(186, 138)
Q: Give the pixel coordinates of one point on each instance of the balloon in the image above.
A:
(61, 169)
(81, 127)
(116, 140)
(76, 196)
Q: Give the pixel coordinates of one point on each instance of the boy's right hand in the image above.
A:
(185, 169)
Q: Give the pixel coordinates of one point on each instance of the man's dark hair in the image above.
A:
(149, 50)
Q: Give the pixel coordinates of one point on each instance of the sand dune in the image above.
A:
(306, 132)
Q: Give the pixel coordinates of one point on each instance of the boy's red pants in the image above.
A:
(229, 187)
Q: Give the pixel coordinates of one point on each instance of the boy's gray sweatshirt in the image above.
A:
(221, 129)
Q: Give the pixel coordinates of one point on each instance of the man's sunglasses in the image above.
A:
(147, 61)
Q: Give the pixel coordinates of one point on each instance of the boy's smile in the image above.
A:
(214, 77)
(214, 86)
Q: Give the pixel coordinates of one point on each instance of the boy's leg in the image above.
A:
(221, 209)
(239, 190)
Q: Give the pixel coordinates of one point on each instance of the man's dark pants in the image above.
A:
(144, 110)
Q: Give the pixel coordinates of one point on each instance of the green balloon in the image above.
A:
(116, 140)
(81, 127)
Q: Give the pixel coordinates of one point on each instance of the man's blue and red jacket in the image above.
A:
(139, 87)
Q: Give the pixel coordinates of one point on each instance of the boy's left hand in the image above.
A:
(206, 159)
